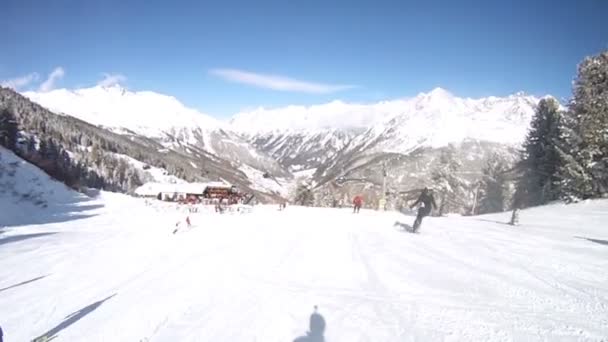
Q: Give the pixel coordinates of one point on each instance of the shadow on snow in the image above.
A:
(601, 242)
(316, 329)
(71, 319)
(23, 283)
(404, 226)
(17, 238)
(75, 208)
(493, 221)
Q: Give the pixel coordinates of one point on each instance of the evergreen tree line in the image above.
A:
(565, 154)
(51, 153)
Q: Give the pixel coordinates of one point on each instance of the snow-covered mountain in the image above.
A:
(319, 141)
(437, 117)
(315, 118)
(157, 116)
(143, 112)
(304, 137)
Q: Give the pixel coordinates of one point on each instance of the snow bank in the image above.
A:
(28, 195)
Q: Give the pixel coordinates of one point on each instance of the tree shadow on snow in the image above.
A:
(17, 238)
(601, 242)
(71, 319)
(74, 208)
(23, 283)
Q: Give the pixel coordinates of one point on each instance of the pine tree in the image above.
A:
(133, 180)
(304, 195)
(451, 187)
(540, 158)
(31, 145)
(584, 148)
(493, 188)
(8, 129)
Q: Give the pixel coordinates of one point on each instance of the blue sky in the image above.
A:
(223, 56)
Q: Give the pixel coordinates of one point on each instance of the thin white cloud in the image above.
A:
(55, 75)
(111, 79)
(277, 82)
(20, 82)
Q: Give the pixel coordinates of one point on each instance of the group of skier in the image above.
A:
(426, 202)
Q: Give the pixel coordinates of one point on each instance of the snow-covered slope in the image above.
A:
(439, 118)
(301, 150)
(122, 276)
(28, 195)
(333, 115)
(437, 114)
(143, 112)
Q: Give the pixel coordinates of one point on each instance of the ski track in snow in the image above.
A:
(124, 276)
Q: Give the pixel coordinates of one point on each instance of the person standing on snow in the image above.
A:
(357, 203)
(427, 199)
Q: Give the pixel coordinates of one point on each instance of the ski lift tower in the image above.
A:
(382, 202)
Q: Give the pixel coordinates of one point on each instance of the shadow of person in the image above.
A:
(316, 329)
(70, 319)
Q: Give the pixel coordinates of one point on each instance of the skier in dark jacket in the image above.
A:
(427, 199)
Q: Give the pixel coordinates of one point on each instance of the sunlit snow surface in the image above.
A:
(121, 275)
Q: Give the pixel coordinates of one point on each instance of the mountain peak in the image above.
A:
(439, 92)
(144, 112)
(113, 88)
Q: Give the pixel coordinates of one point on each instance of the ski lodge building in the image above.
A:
(180, 192)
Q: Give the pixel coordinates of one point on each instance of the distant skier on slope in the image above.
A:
(357, 203)
(427, 199)
(178, 226)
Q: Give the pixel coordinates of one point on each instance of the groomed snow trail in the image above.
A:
(118, 274)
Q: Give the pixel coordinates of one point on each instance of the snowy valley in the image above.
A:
(273, 151)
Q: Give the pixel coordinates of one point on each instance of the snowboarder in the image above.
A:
(426, 199)
(1, 335)
(316, 329)
(514, 216)
(357, 202)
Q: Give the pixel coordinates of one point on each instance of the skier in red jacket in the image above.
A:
(358, 203)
